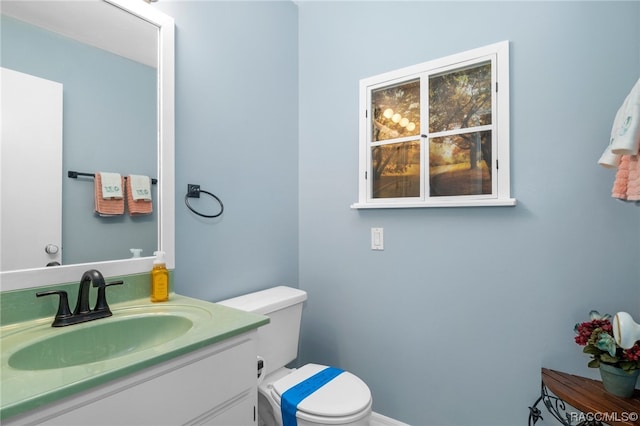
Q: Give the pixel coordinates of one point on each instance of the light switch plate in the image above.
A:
(377, 239)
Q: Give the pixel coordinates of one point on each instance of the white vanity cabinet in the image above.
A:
(214, 385)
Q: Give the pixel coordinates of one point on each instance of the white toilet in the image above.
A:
(343, 400)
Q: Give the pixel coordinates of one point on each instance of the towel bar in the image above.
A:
(74, 175)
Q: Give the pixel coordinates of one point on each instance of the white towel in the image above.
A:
(625, 132)
(111, 186)
(608, 159)
(140, 187)
(627, 140)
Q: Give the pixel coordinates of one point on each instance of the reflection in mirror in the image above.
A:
(109, 124)
(117, 116)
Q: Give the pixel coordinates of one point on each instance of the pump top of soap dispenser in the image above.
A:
(159, 260)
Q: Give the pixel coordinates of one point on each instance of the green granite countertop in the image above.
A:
(26, 389)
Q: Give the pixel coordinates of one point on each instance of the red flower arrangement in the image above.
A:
(596, 336)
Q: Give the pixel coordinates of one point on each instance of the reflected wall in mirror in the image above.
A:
(114, 59)
(109, 122)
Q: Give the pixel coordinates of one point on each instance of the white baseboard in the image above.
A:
(380, 420)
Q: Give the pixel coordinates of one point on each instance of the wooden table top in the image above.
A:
(589, 396)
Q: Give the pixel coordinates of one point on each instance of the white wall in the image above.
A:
(236, 136)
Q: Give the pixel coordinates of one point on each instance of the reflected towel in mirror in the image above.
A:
(140, 187)
(109, 206)
(139, 195)
(111, 185)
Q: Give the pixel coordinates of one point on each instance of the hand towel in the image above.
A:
(111, 185)
(620, 184)
(627, 184)
(608, 159)
(623, 151)
(140, 187)
(633, 184)
(627, 139)
(107, 207)
(625, 132)
(137, 187)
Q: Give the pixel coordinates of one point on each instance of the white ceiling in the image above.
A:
(94, 22)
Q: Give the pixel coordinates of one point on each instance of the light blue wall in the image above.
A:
(236, 136)
(109, 124)
(450, 324)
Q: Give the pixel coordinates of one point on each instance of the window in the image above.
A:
(437, 134)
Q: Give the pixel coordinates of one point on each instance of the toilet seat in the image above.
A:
(344, 398)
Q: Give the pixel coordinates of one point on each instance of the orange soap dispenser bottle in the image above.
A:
(159, 279)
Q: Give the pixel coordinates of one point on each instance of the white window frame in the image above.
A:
(498, 54)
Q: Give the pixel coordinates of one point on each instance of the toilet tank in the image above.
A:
(278, 340)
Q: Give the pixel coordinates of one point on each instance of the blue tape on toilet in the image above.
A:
(294, 396)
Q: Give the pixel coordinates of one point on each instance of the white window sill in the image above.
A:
(457, 203)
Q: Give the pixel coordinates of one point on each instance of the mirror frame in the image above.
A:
(27, 278)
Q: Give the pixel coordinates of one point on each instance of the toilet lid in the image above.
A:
(344, 395)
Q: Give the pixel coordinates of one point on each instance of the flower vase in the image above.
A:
(617, 381)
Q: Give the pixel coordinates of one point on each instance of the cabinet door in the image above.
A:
(243, 412)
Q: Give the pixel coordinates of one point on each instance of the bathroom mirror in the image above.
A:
(118, 15)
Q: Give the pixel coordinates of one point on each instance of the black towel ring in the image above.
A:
(193, 191)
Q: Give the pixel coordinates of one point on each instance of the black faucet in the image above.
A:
(82, 312)
(82, 305)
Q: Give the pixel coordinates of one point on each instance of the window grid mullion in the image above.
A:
(424, 126)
